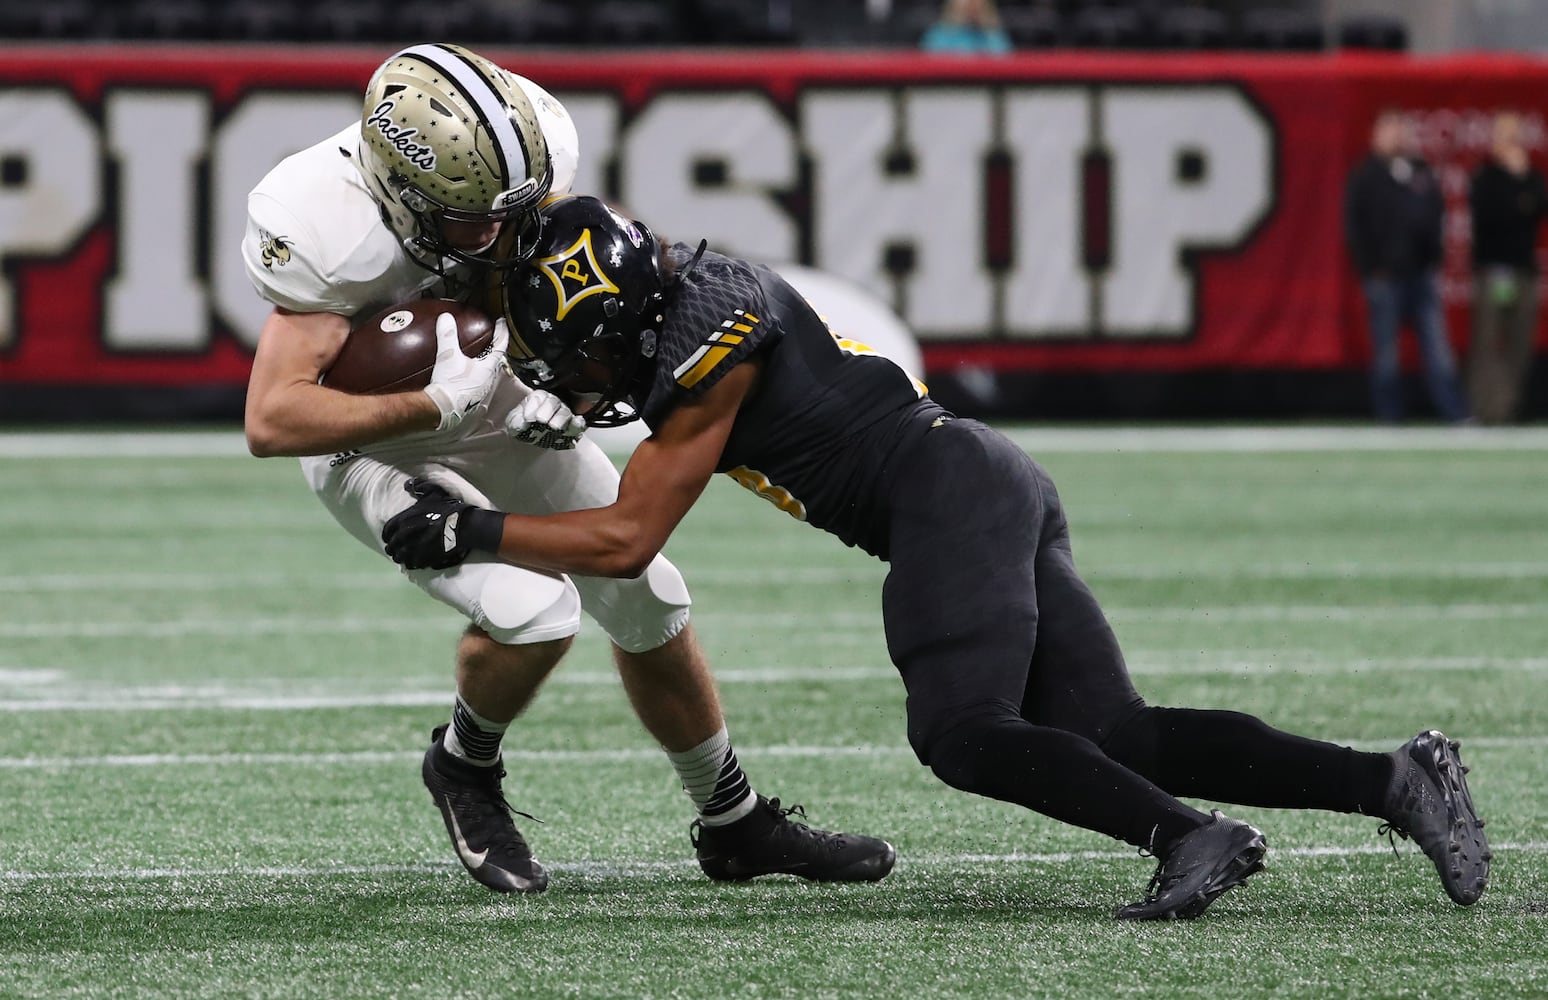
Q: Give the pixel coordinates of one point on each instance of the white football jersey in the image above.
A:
(559, 131)
(315, 239)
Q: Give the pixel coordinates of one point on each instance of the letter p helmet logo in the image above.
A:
(575, 274)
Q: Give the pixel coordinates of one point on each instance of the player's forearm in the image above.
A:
(599, 542)
(306, 419)
(619, 540)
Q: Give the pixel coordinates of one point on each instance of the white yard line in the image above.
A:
(14, 677)
(252, 696)
(1323, 571)
(122, 699)
(1333, 613)
(51, 583)
(388, 578)
(121, 444)
(1277, 439)
(809, 621)
(365, 757)
(613, 755)
(1291, 663)
(865, 574)
(1526, 846)
(53, 690)
(230, 444)
(98, 875)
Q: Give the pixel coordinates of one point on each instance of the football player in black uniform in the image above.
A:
(1016, 686)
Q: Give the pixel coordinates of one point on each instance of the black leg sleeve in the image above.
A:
(1231, 757)
(1059, 774)
(961, 608)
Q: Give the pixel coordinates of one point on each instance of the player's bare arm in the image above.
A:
(664, 478)
(288, 413)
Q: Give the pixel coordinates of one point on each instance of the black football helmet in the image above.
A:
(585, 309)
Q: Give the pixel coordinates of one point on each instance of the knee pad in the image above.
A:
(528, 613)
(515, 606)
(639, 614)
(534, 609)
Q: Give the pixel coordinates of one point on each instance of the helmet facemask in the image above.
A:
(603, 378)
(520, 226)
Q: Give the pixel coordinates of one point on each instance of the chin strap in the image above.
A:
(682, 272)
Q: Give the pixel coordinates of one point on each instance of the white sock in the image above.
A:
(473, 738)
(714, 780)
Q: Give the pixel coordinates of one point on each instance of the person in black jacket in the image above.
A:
(1508, 199)
(1392, 218)
(1017, 688)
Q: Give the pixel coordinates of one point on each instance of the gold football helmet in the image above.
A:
(448, 136)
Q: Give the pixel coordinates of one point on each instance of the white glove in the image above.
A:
(459, 383)
(543, 419)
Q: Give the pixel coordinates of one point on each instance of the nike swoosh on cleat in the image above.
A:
(473, 859)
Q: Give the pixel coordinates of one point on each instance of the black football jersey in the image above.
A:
(816, 436)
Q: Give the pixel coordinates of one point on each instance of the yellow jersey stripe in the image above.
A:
(712, 356)
(693, 359)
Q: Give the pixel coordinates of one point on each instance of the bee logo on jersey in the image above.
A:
(575, 274)
(274, 250)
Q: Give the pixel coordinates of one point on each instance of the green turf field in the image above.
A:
(213, 705)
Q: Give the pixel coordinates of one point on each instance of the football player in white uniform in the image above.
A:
(436, 187)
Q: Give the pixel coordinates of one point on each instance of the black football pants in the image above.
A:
(1017, 689)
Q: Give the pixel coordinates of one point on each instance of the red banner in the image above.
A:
(1049, 212)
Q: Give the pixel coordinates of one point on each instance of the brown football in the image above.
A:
(394, 350)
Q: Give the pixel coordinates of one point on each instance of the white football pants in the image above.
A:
(481, 464)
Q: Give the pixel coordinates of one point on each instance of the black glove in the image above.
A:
(439, 530)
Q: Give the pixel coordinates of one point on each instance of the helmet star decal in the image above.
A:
(575, 274)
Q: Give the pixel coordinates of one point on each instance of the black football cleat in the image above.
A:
(479, 821)
(1199, 867)
(1428, 801)
(768, 842)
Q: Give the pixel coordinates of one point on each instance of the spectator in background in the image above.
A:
(967, 27)
(1392, 219)
(1508, 199)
